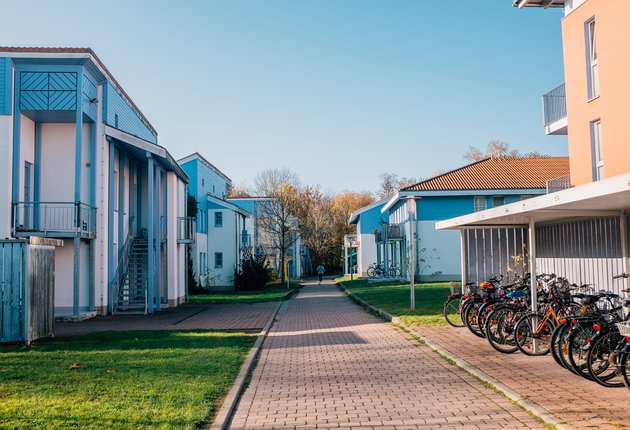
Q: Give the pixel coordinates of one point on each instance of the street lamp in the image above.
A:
(411, 210)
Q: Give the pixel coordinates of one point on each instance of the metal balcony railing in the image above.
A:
(186, 229)
(554, 105)
(558, 184)
(54, 219)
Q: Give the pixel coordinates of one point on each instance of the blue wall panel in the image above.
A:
(48, 90)
(119, 114)
(6, 80)
(371, 219)
(438, 208)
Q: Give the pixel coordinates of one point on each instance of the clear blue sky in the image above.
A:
(340, 91)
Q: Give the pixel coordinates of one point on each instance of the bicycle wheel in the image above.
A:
(500, 329)
(532, 337)
(470, 319)
(624, 368)
(578, 349)
(556, 344)
(485, 310)
(451, 312)
(601, 361)
(392, 272)
(371, 272)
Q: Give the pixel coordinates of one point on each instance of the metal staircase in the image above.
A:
(132, 293)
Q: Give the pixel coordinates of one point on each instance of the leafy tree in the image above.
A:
(253, 274)
(239, 190)
(192, 208)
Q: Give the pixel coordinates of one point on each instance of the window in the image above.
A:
(591, 60)
(597, 150)
(218, 219)
(116, 120)
(480, 203)
(498, 201)
(526, 196)
(218, 260)
(203, 182)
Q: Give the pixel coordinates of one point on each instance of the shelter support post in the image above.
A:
(623, 230)
(464, 258)
(532, 277)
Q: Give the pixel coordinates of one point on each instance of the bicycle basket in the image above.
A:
(624, 328)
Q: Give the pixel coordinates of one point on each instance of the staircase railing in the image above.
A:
(123, 262)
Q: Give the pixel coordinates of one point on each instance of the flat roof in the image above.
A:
(608, 197)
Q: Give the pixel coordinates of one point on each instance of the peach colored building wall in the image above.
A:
(612, 22)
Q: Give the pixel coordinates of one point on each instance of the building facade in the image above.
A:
(81, 163)
(582, 232)
(360, 249)
(489, 183)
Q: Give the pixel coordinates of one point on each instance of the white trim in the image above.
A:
(145, 145)
(601, 198)
(354, 216)
(228, 205)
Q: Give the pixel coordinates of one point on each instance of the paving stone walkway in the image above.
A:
(329, 364)
(247, 317)
(581, 403)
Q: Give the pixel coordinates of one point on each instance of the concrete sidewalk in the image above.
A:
(581, 403)
(327, 364)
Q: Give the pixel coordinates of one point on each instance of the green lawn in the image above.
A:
(122, 380)
(266, 295)
(394, 299)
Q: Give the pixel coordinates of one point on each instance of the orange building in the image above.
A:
(596, 42)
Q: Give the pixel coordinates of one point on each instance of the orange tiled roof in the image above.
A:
(498, 173)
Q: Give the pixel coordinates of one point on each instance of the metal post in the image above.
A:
(533, 280)
(464, 258)
(351, 264)
(623, 230)
(412, 274)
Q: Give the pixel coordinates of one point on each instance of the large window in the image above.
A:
(597, 150)
(218, 260)
(591, 60)
(480, 203)
(218, 219)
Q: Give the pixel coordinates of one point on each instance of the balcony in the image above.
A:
(54, 219)
(186, 229)
(555, 111)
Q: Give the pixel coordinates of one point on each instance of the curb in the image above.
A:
(530, 406)
(224, 416)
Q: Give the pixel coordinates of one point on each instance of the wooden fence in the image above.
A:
(26, 290)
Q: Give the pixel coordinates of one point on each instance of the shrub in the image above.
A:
(253, 274)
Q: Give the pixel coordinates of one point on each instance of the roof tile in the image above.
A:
(498, 173)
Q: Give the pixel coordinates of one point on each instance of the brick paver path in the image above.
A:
(328, 364)
(206, 317)
(570, 397)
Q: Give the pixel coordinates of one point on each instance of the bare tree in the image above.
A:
(276, 214)
(496, 148)
(388, 185)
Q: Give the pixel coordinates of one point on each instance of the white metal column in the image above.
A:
(464, 258)
(532, 277)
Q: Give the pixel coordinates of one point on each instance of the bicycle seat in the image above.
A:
(516, 294)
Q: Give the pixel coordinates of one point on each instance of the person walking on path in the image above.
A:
(320, 273)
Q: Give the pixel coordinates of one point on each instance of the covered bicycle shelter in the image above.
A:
(580, 233)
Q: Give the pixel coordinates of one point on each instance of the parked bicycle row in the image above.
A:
(379, 270)
(586, 331)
